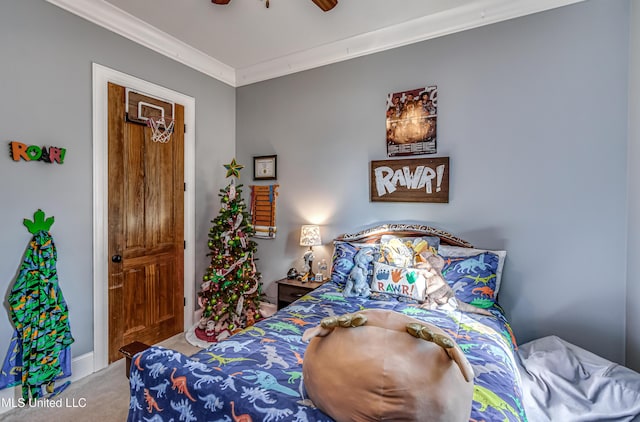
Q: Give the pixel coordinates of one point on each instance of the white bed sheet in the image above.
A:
(564, 383)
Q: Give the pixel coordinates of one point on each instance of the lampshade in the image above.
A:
(310, 235)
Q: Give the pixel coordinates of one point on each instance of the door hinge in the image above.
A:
(185, 244)
(184, 301)
(185, 187)
(185, 128)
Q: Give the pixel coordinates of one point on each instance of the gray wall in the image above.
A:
(532, 112)
(633, 255)
(45, 86)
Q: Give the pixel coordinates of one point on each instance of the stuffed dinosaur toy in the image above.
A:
(357, 282)
(381, 365)
(438, 294)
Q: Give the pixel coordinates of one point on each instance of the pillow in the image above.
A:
(451, 251)
(473, 279)
(409, 282)
(402, 251)
(342, 260)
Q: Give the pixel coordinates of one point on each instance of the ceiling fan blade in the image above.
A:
(326, 5)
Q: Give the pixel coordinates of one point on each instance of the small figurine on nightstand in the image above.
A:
(292, 273)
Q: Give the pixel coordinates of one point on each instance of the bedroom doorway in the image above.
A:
(146, 238)
(103, 324)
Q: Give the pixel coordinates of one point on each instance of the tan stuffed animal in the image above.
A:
(439, 293)
(380, 365)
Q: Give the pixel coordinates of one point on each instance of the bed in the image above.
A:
(257, 373)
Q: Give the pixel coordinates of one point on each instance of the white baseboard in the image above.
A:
(80, 368)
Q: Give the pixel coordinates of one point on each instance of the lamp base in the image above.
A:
(309, 275)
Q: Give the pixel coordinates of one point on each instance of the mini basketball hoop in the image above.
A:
(161, 128)
(151, 111)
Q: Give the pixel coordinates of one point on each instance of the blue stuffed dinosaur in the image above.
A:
(357, 283)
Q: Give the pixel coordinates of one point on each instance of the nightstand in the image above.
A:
(290, 290)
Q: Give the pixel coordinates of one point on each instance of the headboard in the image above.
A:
(373, 234)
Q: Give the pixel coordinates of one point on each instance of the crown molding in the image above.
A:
(472, 15)
(116, 20)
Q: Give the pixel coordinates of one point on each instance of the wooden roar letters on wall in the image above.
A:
(411, 180)
(35, 153)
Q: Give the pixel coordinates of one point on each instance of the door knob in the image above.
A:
(116, 258)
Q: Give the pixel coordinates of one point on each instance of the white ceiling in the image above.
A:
(244, 42)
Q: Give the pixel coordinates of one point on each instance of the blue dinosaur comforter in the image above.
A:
(256, 374)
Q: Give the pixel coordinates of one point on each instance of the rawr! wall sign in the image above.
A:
(25, 152)
(414, 180)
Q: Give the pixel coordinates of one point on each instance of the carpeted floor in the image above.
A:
(102, 396)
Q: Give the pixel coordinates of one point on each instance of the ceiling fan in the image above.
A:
(325, 5)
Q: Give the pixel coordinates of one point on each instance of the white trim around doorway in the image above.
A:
(101, 76)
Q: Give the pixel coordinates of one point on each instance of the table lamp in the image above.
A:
(309, 236)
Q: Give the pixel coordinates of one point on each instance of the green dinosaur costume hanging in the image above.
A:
(39, 312)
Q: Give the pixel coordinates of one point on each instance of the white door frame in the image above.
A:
(101, 76)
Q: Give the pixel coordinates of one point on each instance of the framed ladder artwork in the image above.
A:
(263, 210)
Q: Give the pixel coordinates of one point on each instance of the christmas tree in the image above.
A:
(230, 290)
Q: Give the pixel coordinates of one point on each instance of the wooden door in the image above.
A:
(146, 230)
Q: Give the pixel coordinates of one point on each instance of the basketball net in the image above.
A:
(161, 129)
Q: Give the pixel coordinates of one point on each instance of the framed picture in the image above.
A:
(265, 168)
(412, 117)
